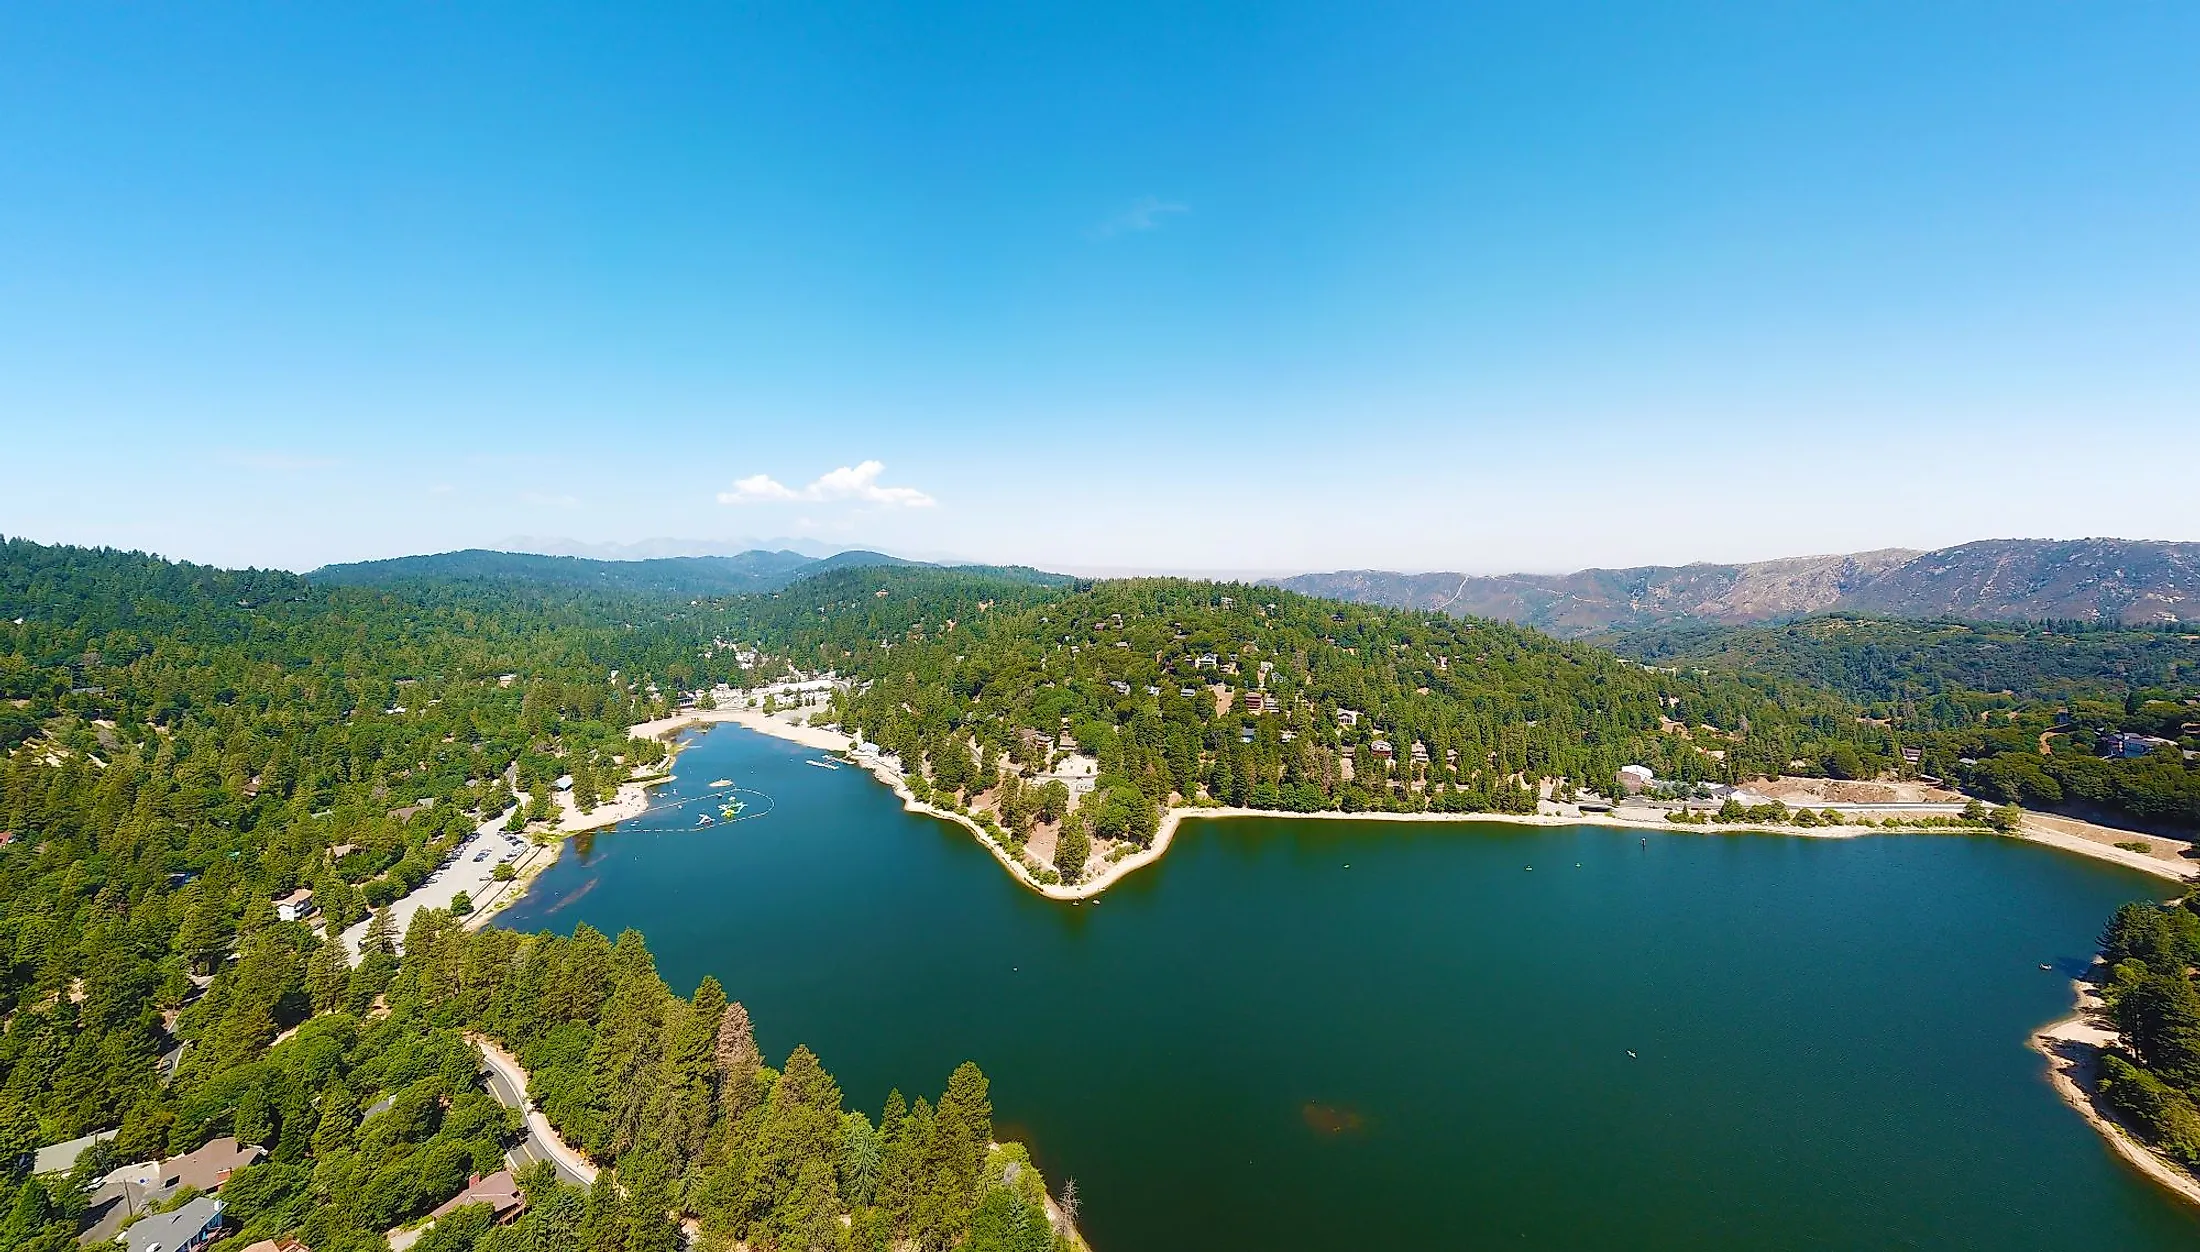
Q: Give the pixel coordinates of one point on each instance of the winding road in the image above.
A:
(508, 1083)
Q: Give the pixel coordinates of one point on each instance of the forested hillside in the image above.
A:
(2153, 1076)
(2024, 712)
(1258, 697)
(189, 744)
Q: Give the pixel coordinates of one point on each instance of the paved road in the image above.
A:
(508, 1083)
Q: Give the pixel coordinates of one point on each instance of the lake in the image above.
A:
(1314, 1034)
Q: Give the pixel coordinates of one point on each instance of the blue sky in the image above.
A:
(1211, 288)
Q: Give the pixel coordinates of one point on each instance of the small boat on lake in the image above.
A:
(721, 782)
(704, 820)
(822, 763)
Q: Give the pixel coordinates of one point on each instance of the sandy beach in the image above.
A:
(2073, 1048)
(473, 869)
(2163, 860)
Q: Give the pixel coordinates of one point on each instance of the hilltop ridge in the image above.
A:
(2136, 582)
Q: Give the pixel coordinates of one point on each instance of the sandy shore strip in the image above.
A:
(2073, 1048)
(476, 878)
(631, 802)
(2164, 860)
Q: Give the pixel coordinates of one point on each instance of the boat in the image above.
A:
(704, 820)
(732, 810)
(721, 782)
(822, 763)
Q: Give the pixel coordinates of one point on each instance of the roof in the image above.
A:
(208, 1167)
(499, 1191)
(300, 896)
(277, 1245)
(168, 1231)
(60, 1158)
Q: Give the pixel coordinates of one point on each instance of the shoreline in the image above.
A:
(1115, 871)
(631, 802)
(2072, 1048)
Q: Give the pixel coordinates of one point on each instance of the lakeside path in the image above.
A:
(2073, 1048)
(2165, 858)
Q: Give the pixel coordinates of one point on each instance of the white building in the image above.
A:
(295, 907)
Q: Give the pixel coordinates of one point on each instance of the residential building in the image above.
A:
(499, 1191)
(206, 1168)
(188, 1229)
(2131, 747)
(1348, 717)
(297, 906)
(60, 1158)
(1382, 749)
(1637, 777)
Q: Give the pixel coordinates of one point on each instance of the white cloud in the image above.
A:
(858, 483)
(1145, 213)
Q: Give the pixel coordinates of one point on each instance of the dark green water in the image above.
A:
(1252, 1046)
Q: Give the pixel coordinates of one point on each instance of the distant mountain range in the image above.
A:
(678, 575)
(2109, 580)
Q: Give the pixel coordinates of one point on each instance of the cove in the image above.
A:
(1318, 1034)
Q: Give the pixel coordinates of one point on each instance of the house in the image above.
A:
(60, 1158)
(207, 1167)
(1256, 702)
(1153, 690)
(1348, 717)
(1382, 749)
(295, 907)
(277, 1245)
(1419, 753)
(1121, 688)
(499, 1191)
(2131, 747)
(342, 850)
(186, 1230)
(1637, 777)
(1187, 692)
(1913, 755)
(1245, 734)
(1207, 660)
